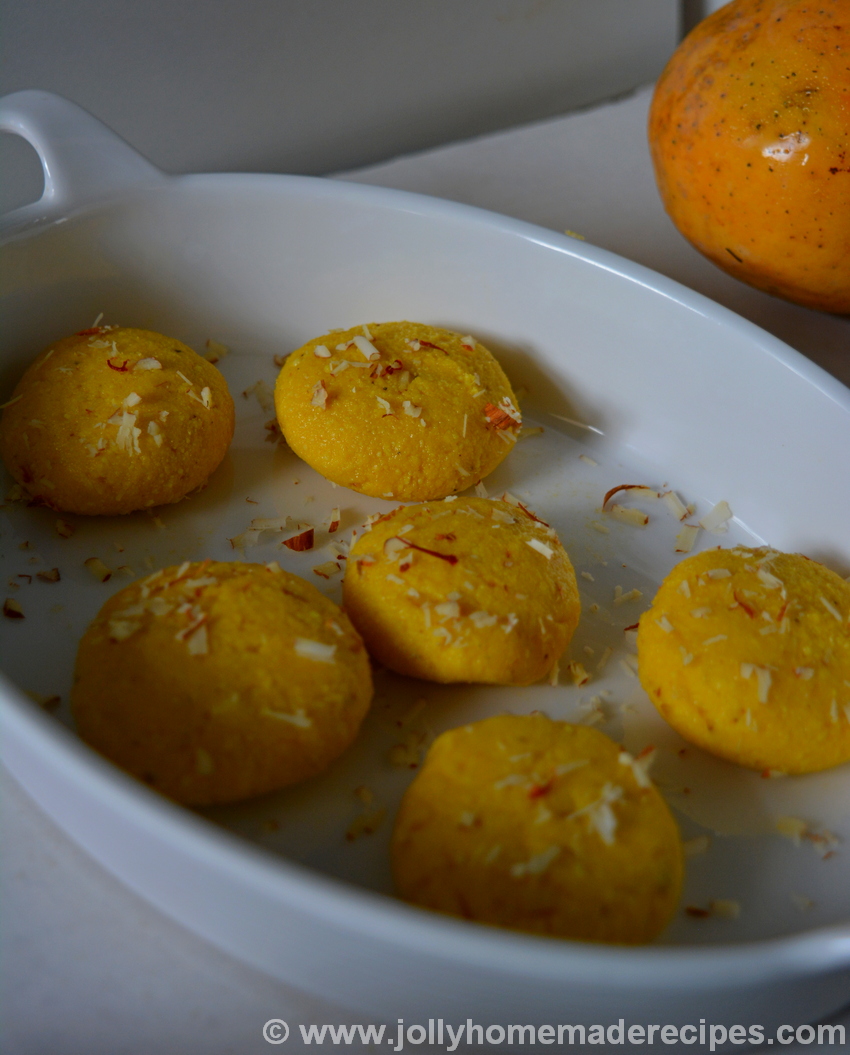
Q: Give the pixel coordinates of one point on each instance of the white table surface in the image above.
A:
(86, 967)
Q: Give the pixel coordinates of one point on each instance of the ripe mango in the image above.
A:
(749, 130)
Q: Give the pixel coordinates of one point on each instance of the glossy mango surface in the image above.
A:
(749, 131)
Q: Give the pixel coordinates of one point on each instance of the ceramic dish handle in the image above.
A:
(83, 160)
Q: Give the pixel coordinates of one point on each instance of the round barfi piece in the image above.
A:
(215, 682)
(467, 589)
(540, 826)
(112, 420)
(746, 653)
(397, 410)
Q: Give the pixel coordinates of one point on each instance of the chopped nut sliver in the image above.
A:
(628, 515)
(831, 608)
(770, 580)
(315, 650)
(100, 571)
(261, 390)
(298, 719)
(602, 817)
(639, 766)
(625, 598)
(537, 864)
(12, 610)
(541, 547)
(715, 520)
(49, 576)
(686, 538)
(366, 347)
(607, 653)
(301, 542)
(499, 417)
(578, 673)
(763, 678)
(329, 568)
(127, 438)
(247, 538)
(121, 629)
(676, 506)
(320, 394)
(393, 547)
(406, 755)
(197, 643)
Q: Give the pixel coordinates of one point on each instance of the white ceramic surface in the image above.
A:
(678, 391)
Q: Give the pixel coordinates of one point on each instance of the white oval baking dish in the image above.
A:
(676, 388)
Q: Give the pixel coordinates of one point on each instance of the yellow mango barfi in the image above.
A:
(746, 653)
(214, 682)
(397, 410)
(111, 420)
(524, 822)
(464, 590)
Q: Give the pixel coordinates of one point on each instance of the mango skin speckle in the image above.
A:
(57, 442)
(207, 728)
(750, 137)
(383, 451)
(786, 630)
(516, 608)
(488, 831)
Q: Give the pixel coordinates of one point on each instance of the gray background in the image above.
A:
(315, 86)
